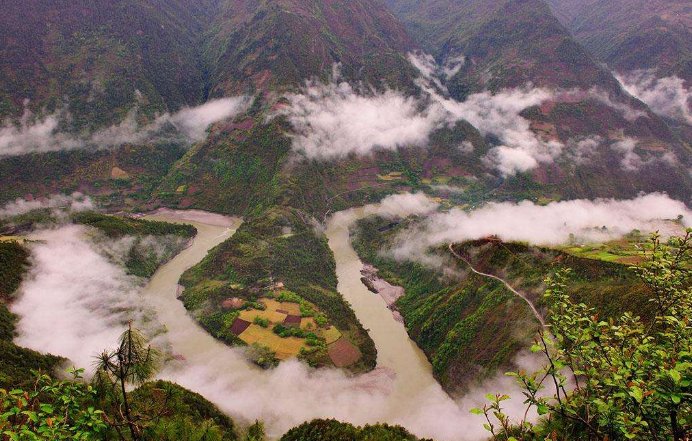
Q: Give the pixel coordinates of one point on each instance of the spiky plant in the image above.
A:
(133, 362)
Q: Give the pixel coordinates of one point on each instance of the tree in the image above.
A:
(255, 432)
(133, 362)
(51, 411)
(612, 379)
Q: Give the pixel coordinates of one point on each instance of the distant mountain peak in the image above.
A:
(259, 45)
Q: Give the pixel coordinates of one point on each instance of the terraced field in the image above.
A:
(290, 329)
(626, 250)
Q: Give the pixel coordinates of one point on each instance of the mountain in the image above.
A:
(99, 59)
(506, 43)
(158, 56)
(633, 34)
(470, 326)
(259, 45)
(514, 43)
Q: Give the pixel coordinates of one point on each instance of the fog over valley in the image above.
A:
(367, 220)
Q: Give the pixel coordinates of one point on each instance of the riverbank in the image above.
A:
(400, 391)
(377, 285)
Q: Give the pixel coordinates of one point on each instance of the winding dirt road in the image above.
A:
(536, 314)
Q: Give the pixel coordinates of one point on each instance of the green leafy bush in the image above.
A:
(51, 411)
(332, 430)
(261, 322)
(617, 378)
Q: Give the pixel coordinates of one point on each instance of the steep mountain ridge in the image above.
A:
(515, 43)
(99, 59)
(273, 46)
(506, 43)
(633, 34)
(260, 45)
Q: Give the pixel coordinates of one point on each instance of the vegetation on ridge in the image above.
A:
(277, 253)
(612, 378)
(469, 327)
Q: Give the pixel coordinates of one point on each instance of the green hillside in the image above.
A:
(630, 35)
(278, 255)
(331, 430)
(470, 327)
(278, 44)
(94, 56)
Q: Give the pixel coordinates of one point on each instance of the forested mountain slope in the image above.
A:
(258, 45)
(630, 35)
(98, 59)
(515, 43)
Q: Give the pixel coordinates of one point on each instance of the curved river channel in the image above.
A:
(401, 390)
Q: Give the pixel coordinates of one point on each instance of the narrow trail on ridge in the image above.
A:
(536, 314)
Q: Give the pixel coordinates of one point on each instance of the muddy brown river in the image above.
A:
(91, 298)
(401, 390)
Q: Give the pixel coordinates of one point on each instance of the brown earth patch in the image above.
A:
(233, 303)
(239, 326)
(292, 320)
(343, 353)
(308, 323)
(119, 173)
(186, 203)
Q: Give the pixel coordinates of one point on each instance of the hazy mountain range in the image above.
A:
(91, 66)
(452, 120)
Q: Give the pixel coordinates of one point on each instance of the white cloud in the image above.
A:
(493, 114)
(193, 122)
(333, 121)
(444, 188)
(666, 96)
(189, 124)
(74, 301)
(29, 136)
(73, 202)
(628, 112)
(403, 205)
(499, 115)
(425, 63)
(432, 71)
(580, 151)
(466, 147)
(453, 65)
(631, 161)
(541, 225)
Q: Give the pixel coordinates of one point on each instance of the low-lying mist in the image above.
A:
(555, 223)
(58, 203)
(666, 96)
(75, 302)
(42, 134)
(335, 120)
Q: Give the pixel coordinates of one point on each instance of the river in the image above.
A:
(91, 297)
(401, 390)
(395, 350)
